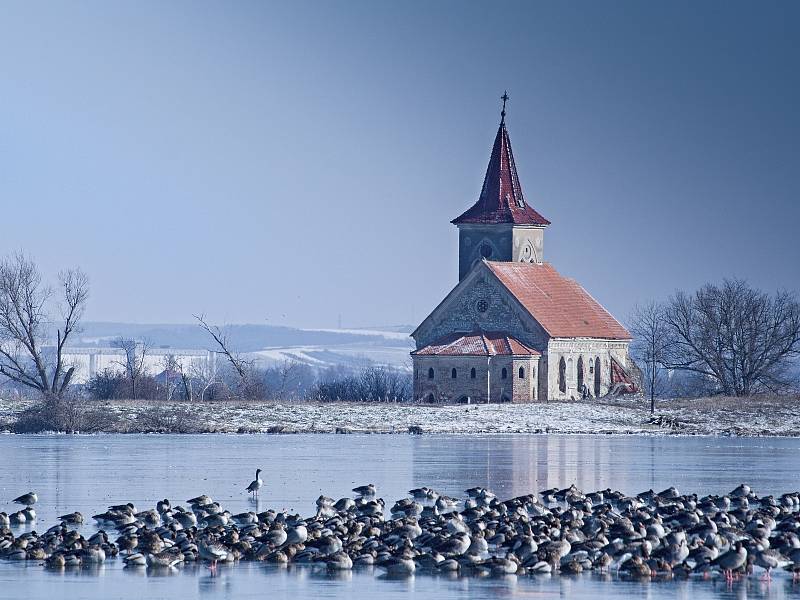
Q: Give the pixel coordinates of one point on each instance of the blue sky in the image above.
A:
(287, 163)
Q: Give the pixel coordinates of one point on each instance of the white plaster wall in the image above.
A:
(589, 349)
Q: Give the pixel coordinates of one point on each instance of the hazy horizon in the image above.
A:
(297, 165)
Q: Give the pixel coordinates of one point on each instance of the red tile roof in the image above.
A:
(620, 375)
(501, 199)
(560, 305)
(478, 343)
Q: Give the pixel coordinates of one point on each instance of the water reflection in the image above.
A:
(517, 465)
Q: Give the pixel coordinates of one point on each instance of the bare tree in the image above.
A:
(242, 367)
(650, 343)
(738, 336)
(205, 375)
(172, 370)
(25, 303)
(134, 359)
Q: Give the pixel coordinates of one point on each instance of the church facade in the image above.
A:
(514, 329)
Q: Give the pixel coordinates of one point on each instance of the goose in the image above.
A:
(768, 560)
(128, 542)
(72, 559)
(732, 560)
(212, 552)
(365, 490)
(165, 559)
(55, 561)
(364, 560)
(741, 491)
(135, 560)
(636, 568)
(423, 493)
(344, 504)
(93, 555)
(296, 535)
(542, 567)
(74, 518)
(199, 500)
(28, 499)
(448, 565)
(399, 566)
(255, 485)
(276, 536)
(340, 561)
(149, 517)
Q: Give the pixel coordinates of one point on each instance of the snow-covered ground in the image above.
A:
(752, 417)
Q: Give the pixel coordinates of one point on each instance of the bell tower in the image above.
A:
(500, 226)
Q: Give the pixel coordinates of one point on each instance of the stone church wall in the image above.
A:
(443, 387)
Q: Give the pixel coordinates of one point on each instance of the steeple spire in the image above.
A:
(501, 199)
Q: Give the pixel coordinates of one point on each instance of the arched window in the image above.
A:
(430, 373)
(597, 377)
(431, 398)
(522, 372)
(504, 373)
(562, 376)
(453, 374)
(472, 373)
(580, 375)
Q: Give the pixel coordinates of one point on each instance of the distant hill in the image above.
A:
(318, 347)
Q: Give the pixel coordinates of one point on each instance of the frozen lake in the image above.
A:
(87, 473)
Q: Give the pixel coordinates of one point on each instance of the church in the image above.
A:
(514, 329)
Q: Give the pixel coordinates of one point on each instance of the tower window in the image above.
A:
(453, 374)
(522, 372)
(482, 306)
(472, 373)
(486, 250)
(430, 373)
(504, 373)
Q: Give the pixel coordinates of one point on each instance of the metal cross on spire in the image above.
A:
(504, 98)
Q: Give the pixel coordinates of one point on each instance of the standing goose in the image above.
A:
(28, 499)
(731, 561)
(255, 485)
(212, 552)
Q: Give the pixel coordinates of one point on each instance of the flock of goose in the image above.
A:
(659, 535)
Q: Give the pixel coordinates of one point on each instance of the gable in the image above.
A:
(480, 303)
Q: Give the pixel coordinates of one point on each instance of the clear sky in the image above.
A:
(287, 162)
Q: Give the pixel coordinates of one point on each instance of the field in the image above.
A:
(777, 416)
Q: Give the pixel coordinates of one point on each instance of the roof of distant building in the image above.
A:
(560, 305)
(501, 200)
(477, 343)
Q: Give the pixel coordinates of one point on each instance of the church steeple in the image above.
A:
(501, 225)
(501, 199)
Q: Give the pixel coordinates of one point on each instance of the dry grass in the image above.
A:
(756, 416)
